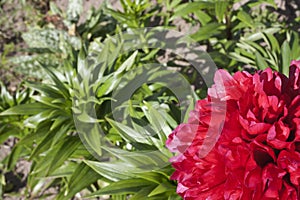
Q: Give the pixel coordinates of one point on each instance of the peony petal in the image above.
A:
(290, 162)
(225, 86)
(288, 192)
(272, 179)
(295, 74)
(253, 178)
(256, 153)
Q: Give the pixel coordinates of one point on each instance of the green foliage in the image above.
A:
(249, 35)
(135, 14)
(11, 125)
(67, 120)
(275, 54)
(63, 99)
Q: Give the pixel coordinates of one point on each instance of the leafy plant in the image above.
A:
(274, 53)
(11, 129)
(78, 124)
(63, 100)
(223, 26)
(135, 14)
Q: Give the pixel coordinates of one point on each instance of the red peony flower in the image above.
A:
(249, 130)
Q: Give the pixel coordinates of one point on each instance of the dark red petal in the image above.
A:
(295, 74)
(290, 161)
(272, 179)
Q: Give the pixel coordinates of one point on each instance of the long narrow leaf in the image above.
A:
(25, 109)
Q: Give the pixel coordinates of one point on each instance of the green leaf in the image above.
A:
(5, 95)
(294, 43)
(65, 170)
(128, 133)
(25, 109)
(157, 121)
(109, 85)
(165, 187)
(152, 176)
(260, 61)
(119, 197)
(144, 160)
(144, 192)
(189, 109)
(47, 140)
(127, 64)
(47, 90)
(207, 31)
(245, 18)
(174, 197)
(203, 17)
(86, 118)
(221, 9)
(35, 136)
(14, 156)
(59, 156)
(272, 42)
(55, 9)
(253, 47)
(46, 100)
(113, 171)
(7, 131)
(59, 84)
(129, 186)
(33, 121)
(2, 183)
(187, 8)
(260, 2)
(91, 135)
(286, 57)
(138, 123)
(59, 121)
(76, 183)
(241, 58)
(124, 18)
(259, 35)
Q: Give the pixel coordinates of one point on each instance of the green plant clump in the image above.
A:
(67, 116)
